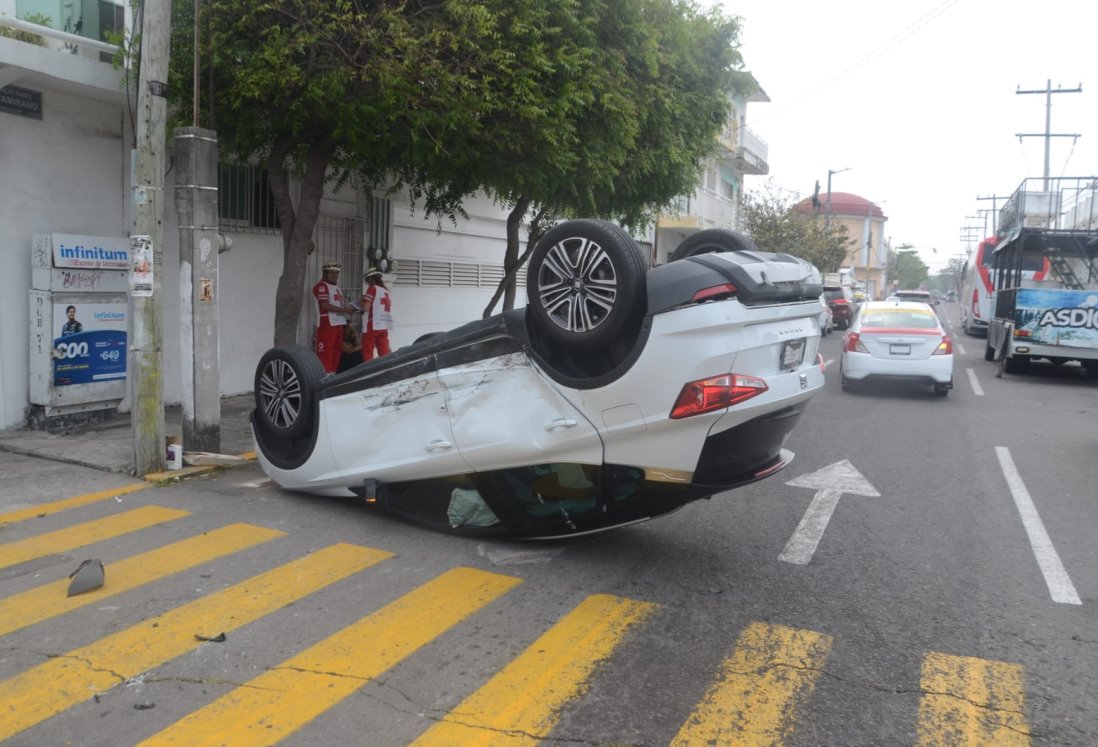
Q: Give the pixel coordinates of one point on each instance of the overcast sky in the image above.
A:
(918, 100)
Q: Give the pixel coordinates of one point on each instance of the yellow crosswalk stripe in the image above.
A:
(760, 686)
(50, 600)
(521, 704)
(973, 702)
(88, 533)
(285, 698)
(68, 679)
(46, 509)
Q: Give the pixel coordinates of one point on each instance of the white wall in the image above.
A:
(482, 238)
(63, 173)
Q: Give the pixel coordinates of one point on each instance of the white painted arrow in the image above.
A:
(830, 483)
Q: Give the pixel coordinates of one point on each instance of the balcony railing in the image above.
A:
(61, 41)
(749, 151)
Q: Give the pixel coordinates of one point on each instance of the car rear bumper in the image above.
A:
(936, 369)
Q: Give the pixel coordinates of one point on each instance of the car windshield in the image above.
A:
(905, 318)
(912, 295)
(834, 295)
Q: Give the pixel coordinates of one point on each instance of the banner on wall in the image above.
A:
(89, 342)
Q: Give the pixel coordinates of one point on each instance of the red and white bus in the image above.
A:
(979, 285)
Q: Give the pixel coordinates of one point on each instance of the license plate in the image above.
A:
(792, 353)
(899, 349)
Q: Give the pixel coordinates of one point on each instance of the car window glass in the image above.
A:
(899, 318)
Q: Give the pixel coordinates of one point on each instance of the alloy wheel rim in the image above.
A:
(577, 284)
(280, 393)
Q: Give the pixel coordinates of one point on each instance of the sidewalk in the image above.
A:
(109, 446)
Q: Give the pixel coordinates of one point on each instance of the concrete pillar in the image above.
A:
(196, 208)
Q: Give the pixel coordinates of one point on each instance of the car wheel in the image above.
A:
(285, 381)
(585, 284)
(940, 390)
(713, 240)
(989, 352)
(1016, 365)
(1091, 367)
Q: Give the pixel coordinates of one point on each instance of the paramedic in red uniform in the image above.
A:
(331, 317)
(377, 315)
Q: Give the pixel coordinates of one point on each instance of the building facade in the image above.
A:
(866, 261)
(716, 201)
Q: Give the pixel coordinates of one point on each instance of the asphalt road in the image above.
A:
(941, 590)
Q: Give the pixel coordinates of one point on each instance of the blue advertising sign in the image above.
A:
(89, 344)
(1057, 317)
(87, 357)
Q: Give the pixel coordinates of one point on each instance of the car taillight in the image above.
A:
(1021, 333)
(945, 347)
(717, 291)
(976, 304)
(706, 395)
(854, 344)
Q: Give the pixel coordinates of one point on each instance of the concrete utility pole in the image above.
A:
(994, 211)
(196, 207)
(831, 173)
(146, 378)
(1048, 134)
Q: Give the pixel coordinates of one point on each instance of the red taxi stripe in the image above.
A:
(900, 331)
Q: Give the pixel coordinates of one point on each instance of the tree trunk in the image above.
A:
(511, 255)
(297, 229)
(508, 280)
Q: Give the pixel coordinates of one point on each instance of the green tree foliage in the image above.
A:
(906, 269)
(776, 227)
(554, 107)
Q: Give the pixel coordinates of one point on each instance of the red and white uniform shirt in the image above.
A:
(332, 294)
(378, 306)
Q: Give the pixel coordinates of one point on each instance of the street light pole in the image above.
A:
(831, 173)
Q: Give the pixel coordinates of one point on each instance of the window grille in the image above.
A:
(435, 274)
(244, 199)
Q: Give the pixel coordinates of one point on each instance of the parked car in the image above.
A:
(827, 319)
(841, 303)
(897, 341)
(617, 395)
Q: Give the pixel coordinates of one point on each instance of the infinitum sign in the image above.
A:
(79, 317)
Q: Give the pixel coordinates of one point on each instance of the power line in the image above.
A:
(892, 42)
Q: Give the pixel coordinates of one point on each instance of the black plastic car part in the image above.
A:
(688, 281)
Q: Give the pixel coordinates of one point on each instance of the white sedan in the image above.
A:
(618, 394)
(897, 341)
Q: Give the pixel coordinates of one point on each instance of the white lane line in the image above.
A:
(961, 349)
(975, 384)
(1056, 577)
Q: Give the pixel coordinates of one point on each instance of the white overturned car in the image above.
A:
(617, 395)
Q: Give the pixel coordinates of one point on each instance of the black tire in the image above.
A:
(1016, 364)
(585, 284)
(989, 352)
(286, 382)
(1091, 367)
(844, 383)
(941, 391)
(713, 240)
